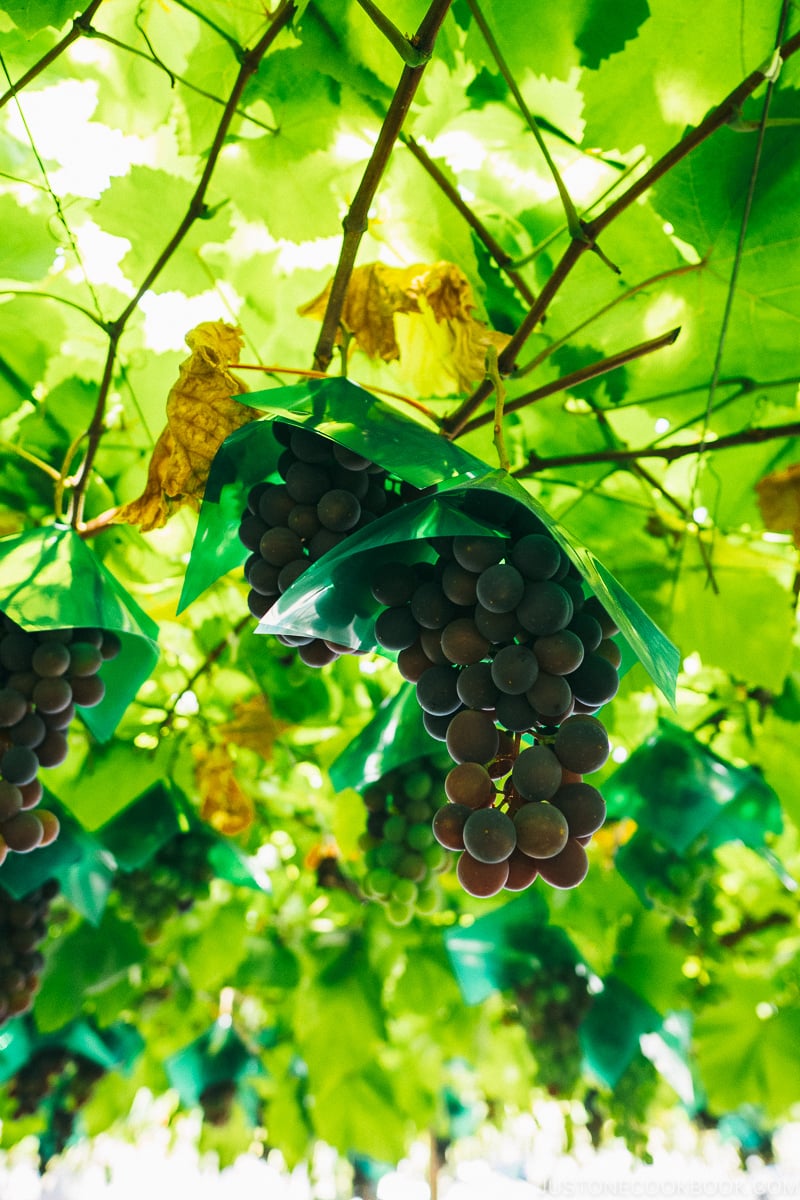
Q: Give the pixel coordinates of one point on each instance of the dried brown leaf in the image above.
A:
(420, 315)
(779, 501)
(254, 726)
(224, 805)
(200, 415)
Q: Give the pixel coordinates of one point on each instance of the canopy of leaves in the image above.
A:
(597, 174)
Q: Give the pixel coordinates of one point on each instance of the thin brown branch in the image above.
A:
(355, 223)
(150, 56)
(455, 424)
(570, 212)
(53, 53)
(583, 375)
(670, 273)
(719, 116)
(248, 66)
(752, 926)
(505, 263)
(497, 252)
(744, 437)
(405, 47)
(213, 656)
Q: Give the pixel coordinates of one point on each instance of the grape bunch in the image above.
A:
(402, 857)
(23, 926)
(37, 1079)
(175, 878)
(216, 1101)
(551, 1008)
(327, 492)
(44, 675)
(501, 640)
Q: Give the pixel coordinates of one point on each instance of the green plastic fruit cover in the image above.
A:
(136, 834)
(395, 736)
(610, 1032)
(15, 1046)
(218, 1056)
(335, 408)
(332, 598)
(82, 1037)
(50, 579)
(670, 1051)
(506, 947)
(78, 862)
(677, 788)
(22, 873)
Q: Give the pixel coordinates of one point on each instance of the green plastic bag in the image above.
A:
(676, 788)
(506, 947)
(218, 1056)
(336, 408)
(395, 736)
(51, 579)
(134, 836)
(15, 1046)
(332, 599)
(611, 1030)
(77, 860)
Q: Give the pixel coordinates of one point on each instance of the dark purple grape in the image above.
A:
(489, 835)
(581, 744)
(542, 829)
(471, 736)
(583, 806)
(537, 773)
(566, 869)
(476, 553)
(396, 629)
(436, 691)
(481, 879)
(536, 556)
(448, 825)
(514, 669)
(339, 510)
(500, 588)
(476, 687)
(545, 608)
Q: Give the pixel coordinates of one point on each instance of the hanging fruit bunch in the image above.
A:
(171, 882)
(45, 675)
(504, 643)
(23, 927)
(401, 855)
(327, 493)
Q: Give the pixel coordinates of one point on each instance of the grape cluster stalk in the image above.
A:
(327, 492)
(176, 877)
(23, 927)
(502, 640)
(401, 854)
(45, 675)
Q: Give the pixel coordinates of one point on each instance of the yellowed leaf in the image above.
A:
(200, 415)
(779, 500)
(224, 805)
(420, 315)
(254, 726)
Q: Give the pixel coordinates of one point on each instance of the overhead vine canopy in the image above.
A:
(560, 240)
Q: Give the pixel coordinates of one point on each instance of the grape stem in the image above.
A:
(493, 373)
(454, 424)
(356, 222)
